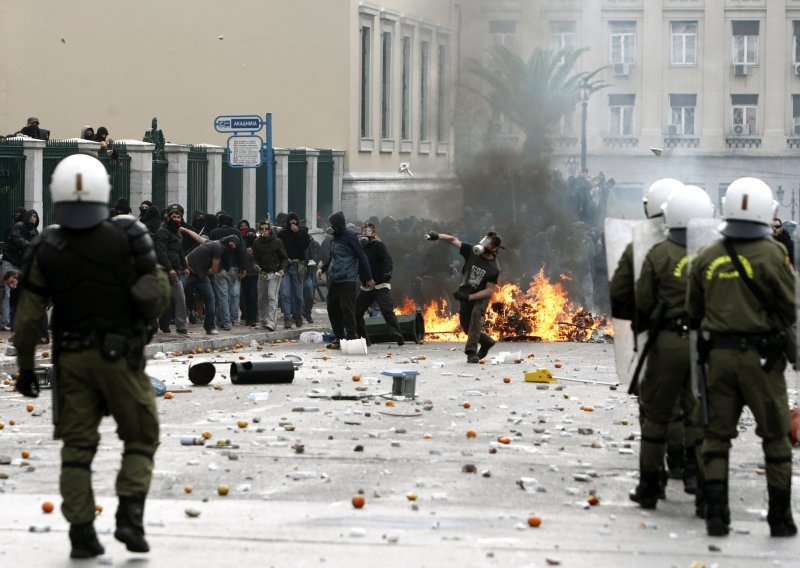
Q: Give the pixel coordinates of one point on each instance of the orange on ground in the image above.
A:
(467, 405)
(168, 395)
(593, 500)
(506, 380)
(358, 501)
(223, 490)
(471, 433)
(557, 364)
(389, 403)
(98, 508)
(208, 349)
(426, 436)
(356, 378)
(48, 507)
(504, 440)
(25, 454)
(242, 423)
(29, 408)
(45, 354)
(12, 422)
(411, 496)
(534, 521)
(206, 435)
(187, 488)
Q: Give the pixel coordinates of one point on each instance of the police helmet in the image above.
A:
(689, 202)
(748, 209)
(80, 189)
(657, 194)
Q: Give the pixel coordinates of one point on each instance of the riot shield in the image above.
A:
(796, 240)
(618, 235)
(699, 234)
(646, 235)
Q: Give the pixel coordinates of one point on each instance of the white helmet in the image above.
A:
(657, 194)
(689, 202)
(748, 208)
(80, 189)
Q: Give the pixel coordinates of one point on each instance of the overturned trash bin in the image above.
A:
(202, 373)
(412, 326)
(262, 372)
(404, 382)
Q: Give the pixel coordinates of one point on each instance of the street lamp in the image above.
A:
(792, 203)
(586, 92)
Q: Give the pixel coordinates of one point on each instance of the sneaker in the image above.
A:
(167, 330)
(270, 327)
(226, 328)
(309, 319)
(5, 328)
(212, 332)
(398, 337)
(182, 331)
(287, 324)
(473, 358)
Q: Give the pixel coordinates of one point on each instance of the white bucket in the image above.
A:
(509, 357)
(353, 346)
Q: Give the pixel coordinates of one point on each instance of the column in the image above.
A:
(312, 158)
(281, 180)
(338, 176)
(177, 174)
(774, 65)
(650, 65)
(141, 154)
(34, 190)
(715, 34)
(249, 197)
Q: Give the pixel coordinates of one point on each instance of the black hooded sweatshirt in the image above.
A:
(225, 228)
(294, 243)
(19, 237)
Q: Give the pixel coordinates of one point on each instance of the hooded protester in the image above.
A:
(271, 261)
(346, 265)
(295, 240)
(143, 208)
(169, 250)
(244, 226)
(19, 240)
(87, 133)
(227, 284)
(782, 236)
(19, 215)
(249, 295)
(32, 129)
(151, 218)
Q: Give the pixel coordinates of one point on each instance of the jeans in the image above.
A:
(342, 309)
(291, 294)
(179, 300)
(470, 316)
(308, 292)
(269, 284)
(226, 288)
(203, 286)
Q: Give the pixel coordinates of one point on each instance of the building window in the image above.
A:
(745, 108)
(366, 78)
(621, 114)
(745, 42)
(562, 35)
(386, 81)
(503, 32)
(623, 42)
(441, 93)
(405, 93)
(682, 112)
(424, 87)
(795, 115)
(684, 43)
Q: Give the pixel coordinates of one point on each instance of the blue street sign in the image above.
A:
(238, 123)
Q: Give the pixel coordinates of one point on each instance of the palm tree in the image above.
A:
(536, 93)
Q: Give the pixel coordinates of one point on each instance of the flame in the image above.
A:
(543, 311)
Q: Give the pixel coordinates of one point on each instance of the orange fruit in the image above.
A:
(29, 408)
(187, 488)
(557, 364)
(48, 507)
(15, 375)
(241, 357)
(7, 382)
(25, 454)
(506, 380)
(534, 521)
(190, 356)
(471, 433)
(593, 500)
(482, 362)
(242, 423)
(45, 354)
(504, 440)
(426, 436)
(467, 405)
(531, 355)
(389, 403)
(223, 489)
(208, 349)
(12, 422)
(356, 378)
(411, 496)
(168, 395)
(358, 501)
(98, 508)
(324, 357)
(206, 435)
(421, 358)
(2, 425)
(217, 387)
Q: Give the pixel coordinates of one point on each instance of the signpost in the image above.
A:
(245, 150)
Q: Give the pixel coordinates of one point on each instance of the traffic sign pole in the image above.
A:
(270, 177)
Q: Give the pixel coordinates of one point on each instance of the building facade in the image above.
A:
(701, 90)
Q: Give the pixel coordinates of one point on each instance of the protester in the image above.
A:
(227, 286)
(295, 240)
(169, 249)
(271, 263)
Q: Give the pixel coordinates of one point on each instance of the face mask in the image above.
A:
(329, 231)
(481, 247)
(364, 241)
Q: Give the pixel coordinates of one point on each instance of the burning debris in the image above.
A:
(543, 312)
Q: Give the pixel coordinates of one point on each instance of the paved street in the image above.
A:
(433, 496)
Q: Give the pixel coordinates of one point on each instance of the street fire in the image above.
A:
(542, 313)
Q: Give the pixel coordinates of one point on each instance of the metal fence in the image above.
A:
(232, 189)
(324, 186)
(118, 166)
(262, 205)
(197, 181)
(12, 183)
(159, 181)
(298, 165)
(54, 152)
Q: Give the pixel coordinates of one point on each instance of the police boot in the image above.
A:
(718, 515)
(646, 493)
(675, 462)
(130, 524)
(700, 497)
(690, 472)
(84, 541)
(779, 517)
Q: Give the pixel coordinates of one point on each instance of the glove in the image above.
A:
(432, 236)
(461, 296)
(27, 384)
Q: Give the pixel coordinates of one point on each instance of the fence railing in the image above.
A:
(232, 188)
(118, 166)
(12, 183)
(197, 181)
(54, 152)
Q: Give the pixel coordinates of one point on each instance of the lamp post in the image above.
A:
(586, 92)
(792, 202)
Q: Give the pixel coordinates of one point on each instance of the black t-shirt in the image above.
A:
(477, 270)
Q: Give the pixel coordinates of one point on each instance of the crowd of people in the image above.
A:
(33, 130)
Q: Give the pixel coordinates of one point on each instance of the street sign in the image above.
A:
(244, 151)
(238, 123)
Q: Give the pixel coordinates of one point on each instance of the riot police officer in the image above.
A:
(102, 278)
(661, 295)
(741, 294)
